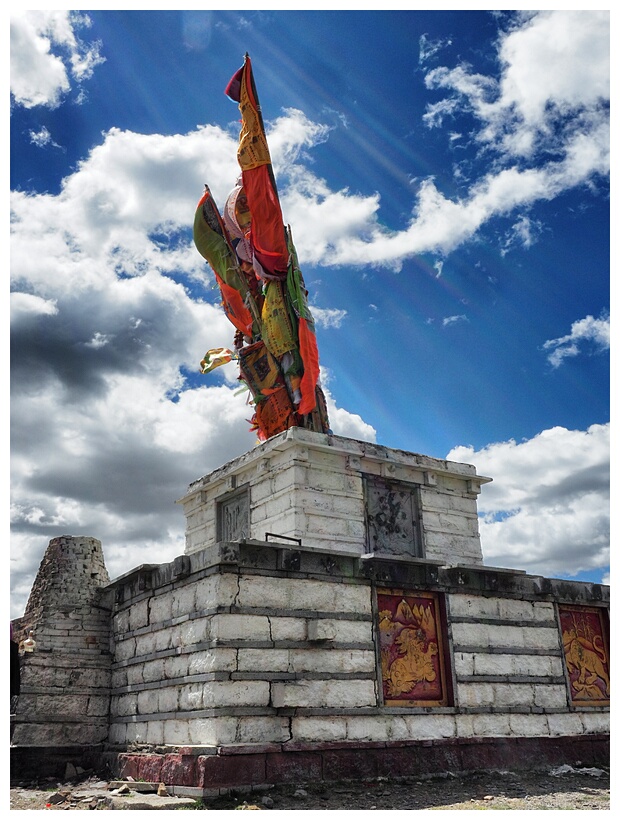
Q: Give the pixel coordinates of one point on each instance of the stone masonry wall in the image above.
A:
(260, 643)
(65, 683)
(310, 487)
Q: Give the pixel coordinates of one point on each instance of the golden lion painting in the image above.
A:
(409, 649)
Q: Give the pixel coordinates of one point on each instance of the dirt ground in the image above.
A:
(561, 788)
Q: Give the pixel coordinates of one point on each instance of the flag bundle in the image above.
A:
(263, 293)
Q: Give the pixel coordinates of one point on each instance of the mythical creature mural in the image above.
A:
(584, 638)
(411, 646)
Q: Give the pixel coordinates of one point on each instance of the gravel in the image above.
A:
(563, 787)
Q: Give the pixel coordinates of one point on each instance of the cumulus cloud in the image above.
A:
(585, 334)
(47, 56)
(548, 506)
(112, 310)
(553, 64)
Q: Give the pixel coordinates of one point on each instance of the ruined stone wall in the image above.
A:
(65, 683)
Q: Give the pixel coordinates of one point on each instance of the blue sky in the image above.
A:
(446, 178)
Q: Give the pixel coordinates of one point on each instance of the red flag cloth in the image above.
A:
(267, 229)
(267, 226)
(233, 89)
(234, 307)
(310, 357)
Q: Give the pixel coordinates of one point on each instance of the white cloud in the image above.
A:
(47, 56)
(328, 317)
(341, 421)
(553, 64)
(41, 138)
(524, 232)
(111, 315)
(585, 333)
(547, 510)
(451, 320)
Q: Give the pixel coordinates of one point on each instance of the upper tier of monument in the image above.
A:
(339, 494)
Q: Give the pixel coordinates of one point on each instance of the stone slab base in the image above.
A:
(190, 771)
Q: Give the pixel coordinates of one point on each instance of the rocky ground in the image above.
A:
(564, 787)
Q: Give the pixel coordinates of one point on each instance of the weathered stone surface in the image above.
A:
(324, 693)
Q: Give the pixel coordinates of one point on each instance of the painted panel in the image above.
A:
(586, 652)
(411, 642)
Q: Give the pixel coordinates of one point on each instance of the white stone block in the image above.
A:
(472, 606)
(475, 694)
(145, 644)
(595, 722)
(155, 732)
(192, 632)
(229, 627)
(293, 593)
(136, 732)
(319, 729)
(235, 693)
(397, 727)
(470, 634)
(119, 678)
(549, 696)
(168, 699)
(183, 600)
(568, 724)
(163, 639)
(536, 665)
(211, 731)
(263, 729)
(153, 670)
(263, 660)
(492, 664)
(212, 660)
(147, 702)
(464, 725)
(117, 735)
(324, 693)
(541, 637)
(176, 733)
(139, 614)
(161, 608)
(288, 629)
(216, 590)
(175, 667)
(124, 650)
(347, 631)
(368, 727)
(320, 630)
(543, 611)
(190, 697)
(495, 725)
(464, 663)
(120, 622)
(513, 694)
(133, 675)
(431, 727)
(332, 660)
(528, 725)
(124, 705)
